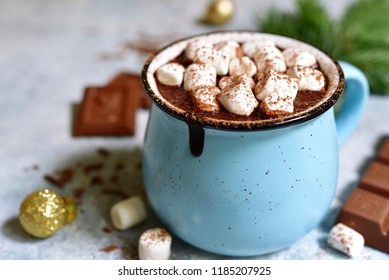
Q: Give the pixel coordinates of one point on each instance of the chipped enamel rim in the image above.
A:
(328, 65)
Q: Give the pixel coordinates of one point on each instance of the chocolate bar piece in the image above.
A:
(107, 111)
(376, 179)
(367, 208)
(383, 154)
(368, 214)
(134, 85)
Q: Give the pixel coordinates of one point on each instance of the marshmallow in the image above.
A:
(275, 105)
(197, 75)
(250, 48)
(128, 213)
(346, 240)
(270, 58)
(154, 244)
(228, 80)
(171, 74)
(205, 98)
(238, 98)
(308, 78)
(231, 48)
(276, 82)
(242, 65)
(194, 45)
(294, 57)
(216, 58)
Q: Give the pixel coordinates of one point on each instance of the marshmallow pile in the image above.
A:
(154, 243)
(243, 77)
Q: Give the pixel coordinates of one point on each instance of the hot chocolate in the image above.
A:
(242, 81)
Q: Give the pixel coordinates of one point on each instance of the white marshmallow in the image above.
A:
(197, 75)
(216, 58)
(205, 98)
(278, 83)
(242, 65)
(275, 105)
(228, 80)
(294, 57)
(250, 48)
(194, 45)
(238, 98)
(308, 78)
(346, 240)
(270, 58)
(171, 74)
(128, 213)
(154, 244)
(231, 48)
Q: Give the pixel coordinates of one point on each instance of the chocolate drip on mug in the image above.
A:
(196, 139)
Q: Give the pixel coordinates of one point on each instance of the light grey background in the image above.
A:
(49, 52)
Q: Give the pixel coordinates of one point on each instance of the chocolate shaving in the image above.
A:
(104, 152)
(107, 229)
(93, 167)
(79, 192)
(119, 166)
(61, 177)
(96, 180)
(118, 192)
(109, 248)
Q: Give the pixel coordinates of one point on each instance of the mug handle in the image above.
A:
(354, 104)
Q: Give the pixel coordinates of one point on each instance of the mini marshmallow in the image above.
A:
(275, 105)
(270, 58)
(154, 244)
(346, 240)
(308, 78)
(228, 80)
(197, 75)
(250, 48)
(171, 74)
(205, 98)
(194, 45)
(238, 98)
(242, 65)
(294, 57)
(231, 48)
(276, 82)
(128, 213)
(216, 58)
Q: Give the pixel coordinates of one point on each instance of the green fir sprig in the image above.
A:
(360, 36)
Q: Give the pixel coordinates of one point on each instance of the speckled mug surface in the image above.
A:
(245, 189)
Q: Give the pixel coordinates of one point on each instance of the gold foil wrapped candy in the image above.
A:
(44, 212)
(219, 12)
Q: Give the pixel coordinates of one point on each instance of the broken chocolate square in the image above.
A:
(376, 179)
(107, 111)
(133, 84)
(368, 214)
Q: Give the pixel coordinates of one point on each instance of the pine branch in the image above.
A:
(360, 36)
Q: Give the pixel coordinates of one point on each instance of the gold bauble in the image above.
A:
(44, 212)
(219, 12)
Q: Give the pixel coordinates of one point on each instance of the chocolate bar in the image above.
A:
(110, 110)
(367, 208)
(107, 111)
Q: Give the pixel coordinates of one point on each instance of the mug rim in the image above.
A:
(261, 124)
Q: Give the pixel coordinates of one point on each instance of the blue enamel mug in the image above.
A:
(247, 188)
